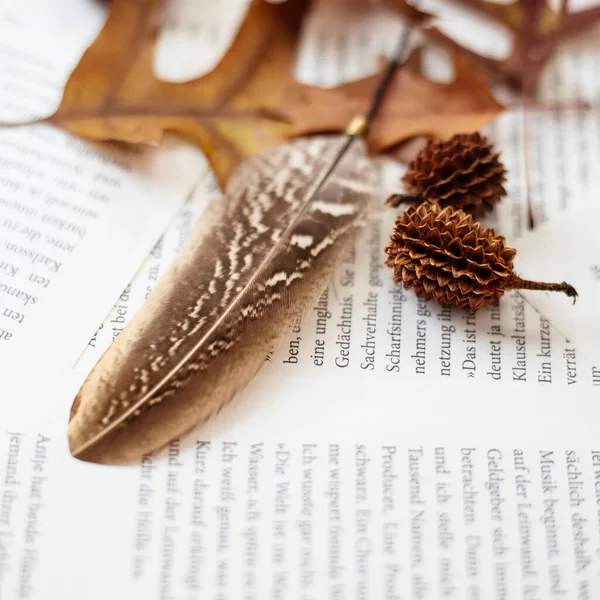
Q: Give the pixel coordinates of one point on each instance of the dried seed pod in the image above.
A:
(463, 172)
(449, 258)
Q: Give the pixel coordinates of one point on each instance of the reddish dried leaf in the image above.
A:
(414, 105)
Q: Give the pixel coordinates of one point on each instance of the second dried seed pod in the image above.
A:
(464, 172)
(447, 257)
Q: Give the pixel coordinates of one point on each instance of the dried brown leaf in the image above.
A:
(232, 112)
(250, 102)
(413, 106)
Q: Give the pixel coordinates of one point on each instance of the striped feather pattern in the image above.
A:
(252, 269)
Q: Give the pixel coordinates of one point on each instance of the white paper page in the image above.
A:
(75, 219)
(195, 35)
(80, 20)
(309, 495)
(41, 42)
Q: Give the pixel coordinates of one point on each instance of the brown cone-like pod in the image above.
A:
(463, 172)
(446, 256)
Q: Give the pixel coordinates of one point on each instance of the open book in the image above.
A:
(390, 449)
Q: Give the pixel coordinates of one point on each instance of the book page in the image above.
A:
(71, 24)
(194, 36)
(76, 219)
(390, 449)
(309, 495)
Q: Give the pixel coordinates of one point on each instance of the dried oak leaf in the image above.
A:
(413, 105)
(250, 101)
(230, 113)
(537, 30)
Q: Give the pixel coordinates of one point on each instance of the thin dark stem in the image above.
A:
(382, 86)
(526, 134)
(389, 73)
(516, 283)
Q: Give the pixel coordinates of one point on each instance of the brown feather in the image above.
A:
(254, 266)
